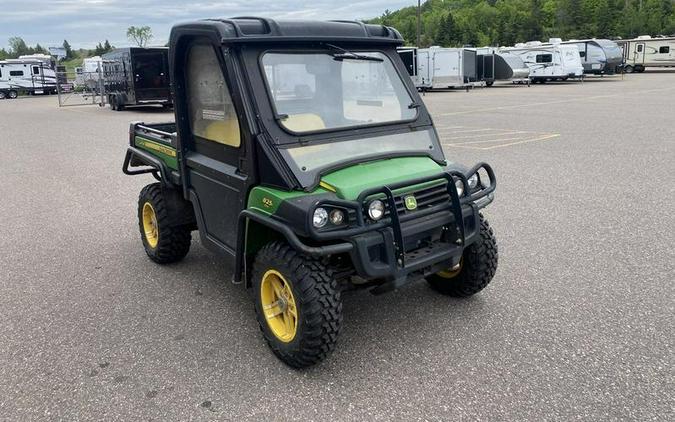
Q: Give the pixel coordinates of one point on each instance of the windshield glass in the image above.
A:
(324, 90)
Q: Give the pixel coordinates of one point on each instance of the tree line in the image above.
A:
(18, 47)
(455, 23)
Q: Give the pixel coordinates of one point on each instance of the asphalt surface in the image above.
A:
(578, 323)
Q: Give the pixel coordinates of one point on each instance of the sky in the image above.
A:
(86, 22)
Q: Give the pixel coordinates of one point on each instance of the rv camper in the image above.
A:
(493, 66)
(598, 56)
(645, 51)
(136, 76)
(29, 74)
(549, 62)
(438, 67)
(89, 74)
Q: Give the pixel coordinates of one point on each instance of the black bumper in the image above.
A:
(430, 244)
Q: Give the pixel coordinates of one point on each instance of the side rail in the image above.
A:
(150, 151)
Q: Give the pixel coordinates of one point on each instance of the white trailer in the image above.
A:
(28, 74)
(549, 62)
(438, 67)
(645, 51)
(598, 56)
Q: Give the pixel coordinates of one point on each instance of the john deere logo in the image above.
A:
(410, 202)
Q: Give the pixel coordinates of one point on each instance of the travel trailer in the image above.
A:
(499, 66)
(90, 73)
(598, 56)
(548, 62)
(438, 67)
(645, 51)
(136, 76)
(30, 74)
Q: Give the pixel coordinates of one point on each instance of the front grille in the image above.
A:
(426, 198)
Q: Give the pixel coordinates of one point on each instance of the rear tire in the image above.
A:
(12, 95)
(163, 242)
(478, 267)
(628, 69)
(639, 69)
(301, 323)
(2, 95)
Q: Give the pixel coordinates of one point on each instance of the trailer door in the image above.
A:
(410, 62)
(151, 77)
(639, 53)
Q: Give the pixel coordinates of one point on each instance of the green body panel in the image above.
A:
(351, 181)
(266, 200)
(164, 152)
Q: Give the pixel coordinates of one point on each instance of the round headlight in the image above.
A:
(320, 217)
(376, 209)
(460, 187)
(473, 181)
(337, 217)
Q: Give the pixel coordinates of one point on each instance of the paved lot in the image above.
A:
(577, 324)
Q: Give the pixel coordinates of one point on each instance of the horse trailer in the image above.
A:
(548, 62)
(645, 51)
(598, 56)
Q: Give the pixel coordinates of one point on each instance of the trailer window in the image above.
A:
(544, 58)
(16, 73)
(639, 48)
(664, 50)
(212, 113)
(36, 70)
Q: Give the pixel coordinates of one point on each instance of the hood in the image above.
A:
(348, 183)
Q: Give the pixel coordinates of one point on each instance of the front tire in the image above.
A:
(297, 304)
(163, 242)
(477, 267)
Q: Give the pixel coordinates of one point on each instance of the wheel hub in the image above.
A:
(278, 305)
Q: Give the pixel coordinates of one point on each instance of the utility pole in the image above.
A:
(418, 22)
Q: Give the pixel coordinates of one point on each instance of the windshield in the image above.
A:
(322, 91)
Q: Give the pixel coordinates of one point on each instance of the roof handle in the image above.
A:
(270, 25)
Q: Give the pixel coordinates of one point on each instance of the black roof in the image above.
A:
(256, 29)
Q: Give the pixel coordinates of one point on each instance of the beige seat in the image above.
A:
(305, 122)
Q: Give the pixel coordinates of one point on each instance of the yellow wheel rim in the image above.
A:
(450, 273)
(278, 305)
(150, 225)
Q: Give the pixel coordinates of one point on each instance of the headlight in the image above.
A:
(376, 209)
(337, 217)
(320, 217)
(460, 187)
(473, 181)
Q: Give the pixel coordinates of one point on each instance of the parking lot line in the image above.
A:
(517, 141)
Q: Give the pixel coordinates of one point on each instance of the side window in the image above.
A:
(582, 54)
(212, 114)
(639, 48)
(36, 70)
(16, 73)
(664, 50)
(544, 58)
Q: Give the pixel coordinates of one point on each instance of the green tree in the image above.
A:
(18, 47)
(69, 49)
(448, 33)
(139, 35)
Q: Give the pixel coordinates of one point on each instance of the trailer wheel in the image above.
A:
(297, 303)
(2, 95)
(112, 102)
(489, 83)
(639, 69)
(628, 69)
(163, 241)
(12, 94)
(476, 269)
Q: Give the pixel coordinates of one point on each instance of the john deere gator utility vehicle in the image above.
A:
(302, 153)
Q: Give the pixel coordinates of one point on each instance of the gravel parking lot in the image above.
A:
(577, 324)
